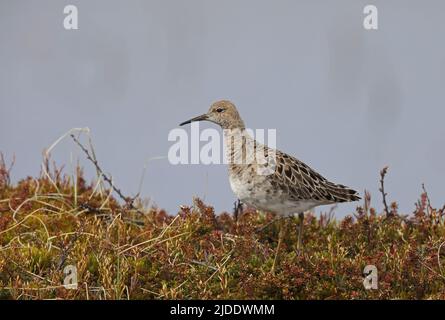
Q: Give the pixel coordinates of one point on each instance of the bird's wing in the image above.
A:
(304, 183)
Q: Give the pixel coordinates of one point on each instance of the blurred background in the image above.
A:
(345, 100)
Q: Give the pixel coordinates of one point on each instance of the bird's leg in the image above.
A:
(282, 232)
(237, 210)
(300, 230)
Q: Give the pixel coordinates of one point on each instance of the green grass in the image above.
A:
(122, 252)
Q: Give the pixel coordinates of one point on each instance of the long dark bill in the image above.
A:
(198, 118)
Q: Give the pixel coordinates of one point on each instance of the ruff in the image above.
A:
(291, 187)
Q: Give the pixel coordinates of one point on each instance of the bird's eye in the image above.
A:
(220, 110)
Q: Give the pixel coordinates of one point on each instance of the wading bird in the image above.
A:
(268, 179)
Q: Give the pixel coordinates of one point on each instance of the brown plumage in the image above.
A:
(292, 187)
(305, 183)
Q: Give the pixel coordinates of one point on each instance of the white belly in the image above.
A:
(255, 194)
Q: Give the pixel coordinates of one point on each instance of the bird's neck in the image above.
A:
(234, 124)
(239, 146)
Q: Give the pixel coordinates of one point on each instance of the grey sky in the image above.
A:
(345, 100)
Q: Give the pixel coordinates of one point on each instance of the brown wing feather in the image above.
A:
(304, 183)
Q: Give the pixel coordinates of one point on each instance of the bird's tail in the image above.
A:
(341, 193)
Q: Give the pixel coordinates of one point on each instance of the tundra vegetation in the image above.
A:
(121, 248)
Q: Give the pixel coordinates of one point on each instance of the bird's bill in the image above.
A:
(198, 118)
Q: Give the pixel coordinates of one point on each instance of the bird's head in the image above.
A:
(223, 113)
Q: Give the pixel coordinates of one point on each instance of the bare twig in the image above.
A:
(438, 258)
(326, 217)
(129, 201)
(280, 218)
(66, 249)
(382, 190)
(204, 265)
(5, 171)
